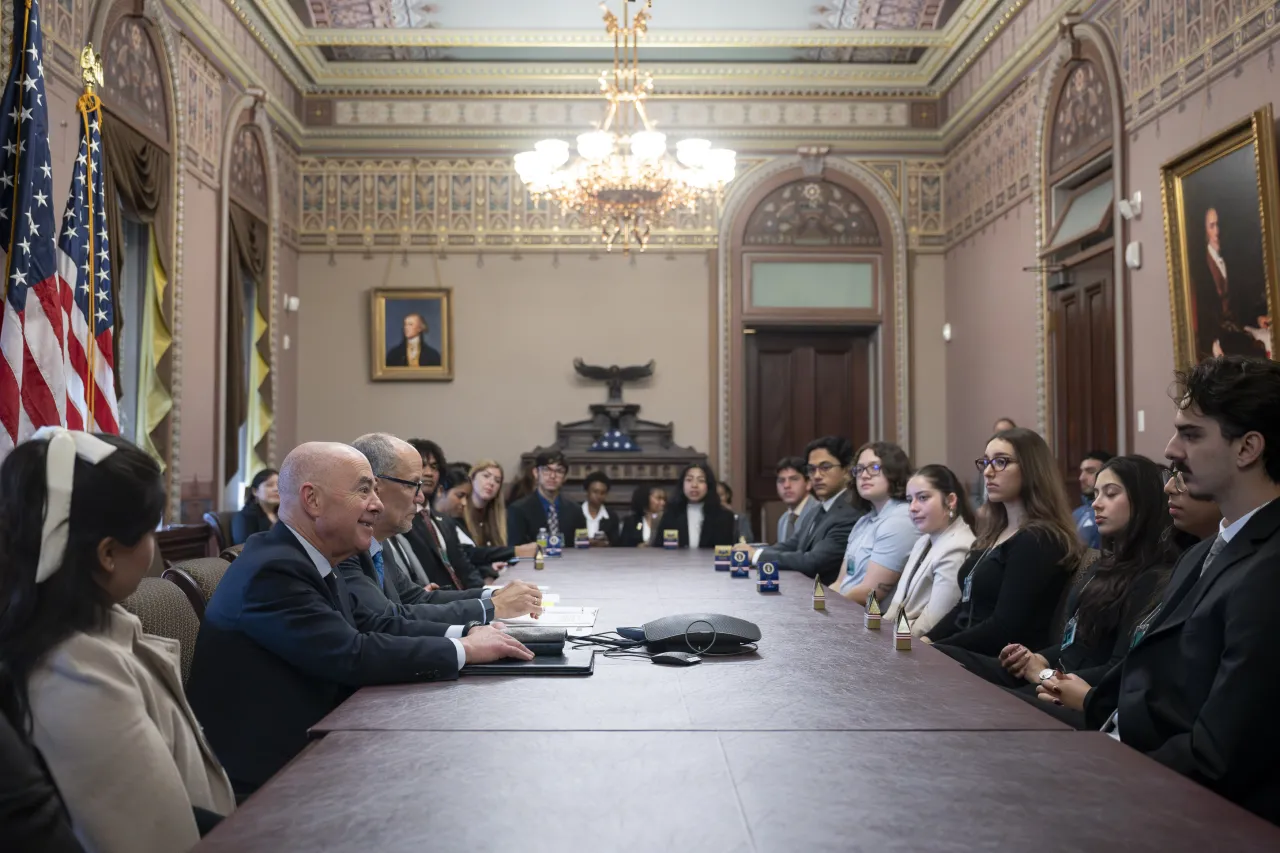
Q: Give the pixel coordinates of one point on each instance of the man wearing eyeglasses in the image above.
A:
(381, 576)
(817, 548)
(545, 507)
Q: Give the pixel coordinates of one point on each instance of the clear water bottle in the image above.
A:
(542, 538)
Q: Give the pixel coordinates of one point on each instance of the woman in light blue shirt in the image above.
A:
(881, 541)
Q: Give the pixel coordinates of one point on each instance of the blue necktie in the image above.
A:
(377, 567)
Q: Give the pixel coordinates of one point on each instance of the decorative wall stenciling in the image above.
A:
(1003, 47)
(550, 113)
(223, 17)
(131, 70)
(811, 213)
(991, 170)
(925, 225)
(1082, 116)
(287, 186)
(443, 203)
(203, 85)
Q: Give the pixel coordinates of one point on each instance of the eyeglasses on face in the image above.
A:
(825, 468)
(873, 468)
(999, 463)
(1167, 474)
(556, 470)
(416, 484)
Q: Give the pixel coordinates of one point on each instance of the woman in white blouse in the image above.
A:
(101, 700)
(929, 587)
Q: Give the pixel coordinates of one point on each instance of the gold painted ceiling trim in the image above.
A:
(657, 40)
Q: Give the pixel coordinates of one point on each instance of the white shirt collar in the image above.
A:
(831, 500)
(1229, 533)
(586, 512)
(322, 563)
(375, 547)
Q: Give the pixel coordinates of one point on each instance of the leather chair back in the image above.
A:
(220, 525)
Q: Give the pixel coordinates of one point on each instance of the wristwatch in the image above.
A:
(1044, 674)
(466, 629)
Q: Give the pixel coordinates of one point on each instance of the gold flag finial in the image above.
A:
(91, 68)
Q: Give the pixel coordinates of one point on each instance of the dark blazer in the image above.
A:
(249, 520)
(718, 526)
(362, 581)
(1016, 590)
(1198, 691)
(611, 527)
(277, 652)
(32, 816)
(428, 356)
(818, 549)
(631, 532)
(428, 554)
(526, 516)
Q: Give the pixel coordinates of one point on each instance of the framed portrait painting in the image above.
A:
(412, 334)
(1222, 243)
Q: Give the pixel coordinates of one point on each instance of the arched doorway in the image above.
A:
(813, 286)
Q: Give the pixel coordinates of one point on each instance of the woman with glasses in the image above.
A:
(696, 511)
(261, 500)
(1026, 551)
(1110, 598)
(1194, 519)
(883, 537)
(640, 528)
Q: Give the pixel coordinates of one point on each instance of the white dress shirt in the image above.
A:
(593, 524)
(321, 562)
(694, 516)
(1218, 262)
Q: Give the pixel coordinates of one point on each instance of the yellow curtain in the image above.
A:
(154, 400)
(260, 412)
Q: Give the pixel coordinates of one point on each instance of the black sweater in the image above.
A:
(1015, 591)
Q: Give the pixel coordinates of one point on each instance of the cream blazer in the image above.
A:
(112, 722)
(930, 589)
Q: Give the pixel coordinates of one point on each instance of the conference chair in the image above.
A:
(230, 554)
(220, 526)
(197, 579)
(166, 612)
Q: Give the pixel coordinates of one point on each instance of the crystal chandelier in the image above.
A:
(624, 179)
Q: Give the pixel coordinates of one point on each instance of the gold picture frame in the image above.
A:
(430, 358)
(1222, 244)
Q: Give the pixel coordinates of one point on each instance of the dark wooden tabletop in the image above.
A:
(817, 670)
(827, 739)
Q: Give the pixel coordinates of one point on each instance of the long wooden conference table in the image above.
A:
(826, 739)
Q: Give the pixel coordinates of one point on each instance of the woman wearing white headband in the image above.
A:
(102, 701)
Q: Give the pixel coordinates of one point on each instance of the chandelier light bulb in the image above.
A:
(554, 152)
(531, 167)
(595, 145)
(648, 145)
(692, 152)
(721, 164)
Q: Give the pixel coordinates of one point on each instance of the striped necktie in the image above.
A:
(444, 554)
(553, 519)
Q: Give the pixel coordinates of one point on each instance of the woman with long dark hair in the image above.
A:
(102, 701)
(1111, 597)
(939, 509)
(640, 528)
(261, 501)
(1025, 553)
(695, 511)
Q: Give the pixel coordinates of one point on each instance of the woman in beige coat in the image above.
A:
(101, 700)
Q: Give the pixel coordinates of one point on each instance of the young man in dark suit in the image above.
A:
(283, 641)
(1199, 687)
(376, 575)
(817, 548)
(545, 507)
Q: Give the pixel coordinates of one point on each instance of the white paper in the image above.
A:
(560, 617)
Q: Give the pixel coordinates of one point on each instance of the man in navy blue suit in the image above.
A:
(283, 641)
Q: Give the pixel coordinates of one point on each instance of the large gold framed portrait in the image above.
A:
(412, 334)
(1222, 244)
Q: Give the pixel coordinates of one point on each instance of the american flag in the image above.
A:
(33, 389)
(84, 262)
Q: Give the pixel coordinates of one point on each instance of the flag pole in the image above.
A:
(89, 102)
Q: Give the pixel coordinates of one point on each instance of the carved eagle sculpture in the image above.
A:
(614, 375)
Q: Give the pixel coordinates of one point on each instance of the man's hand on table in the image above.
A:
(516, 599)
(487, 643)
